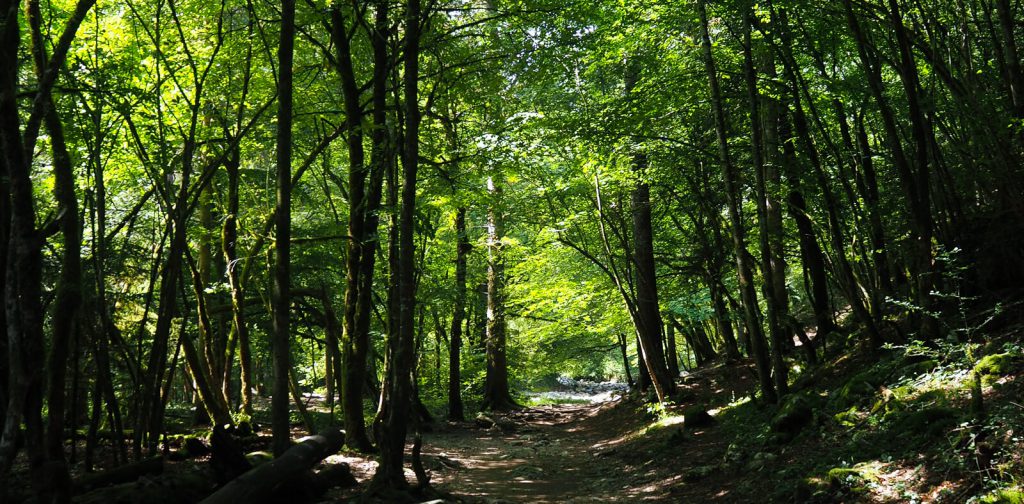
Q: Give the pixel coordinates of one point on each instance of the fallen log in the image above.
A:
(258, 484)
(122, 474)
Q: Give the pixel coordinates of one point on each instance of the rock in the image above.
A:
(991, 367)
(794, 414)
(695, 417)
(698, 473)
(925, 424)
(853, 478)
(1013, 495)
(259, 457)
(853, 392)
(483, 421)
(760, 460)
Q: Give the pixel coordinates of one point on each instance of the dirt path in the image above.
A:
(546, 454)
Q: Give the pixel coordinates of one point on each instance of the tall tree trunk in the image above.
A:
(879, 245)
(847, 278)
(918, 203)
(732, 185)
(69, 292)
(1015, 77)
(100, 345)
(23, 278)
(282, 270)
(496, 392)
(670, 350)
(624, 350)
(811, 255)
(775, 315)
(455, 410)
(229, 239)
(394, 426)
(66, 307)
(923, 137)
(354, 344)
(646, 285)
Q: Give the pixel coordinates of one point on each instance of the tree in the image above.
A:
(282, 273)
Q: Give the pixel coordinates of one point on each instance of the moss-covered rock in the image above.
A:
(855, 391)
(992, 367)
(794, 414)
(698, 473)
(1004, 496)
(848, 418)
(923, 425)
(853, 478)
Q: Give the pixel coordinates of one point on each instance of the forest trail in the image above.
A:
(552, 453)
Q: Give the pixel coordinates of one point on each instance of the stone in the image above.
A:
(794, 414)
(695, 417)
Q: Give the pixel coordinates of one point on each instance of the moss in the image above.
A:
(991, 367)
(847, 418)
(937, 397)
(920, 426)
(854, 391)
(854, 478)
(1004, 496)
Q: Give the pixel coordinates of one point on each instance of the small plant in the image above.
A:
(658, 410)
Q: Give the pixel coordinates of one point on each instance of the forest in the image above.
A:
(494, 251)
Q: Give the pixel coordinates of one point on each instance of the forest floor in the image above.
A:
(899, 424)
(891, 426)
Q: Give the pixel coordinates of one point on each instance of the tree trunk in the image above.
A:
(732, 185)
(455, 410)
(229, 239)
(648, 312)
(670, 350)
(354, 344)
(912, 183)
(395, 423)
(775, 314)
(496, 392)
(1014, 75)
(259, 484)
(624, 349)
(282, 270)
(69, 289)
